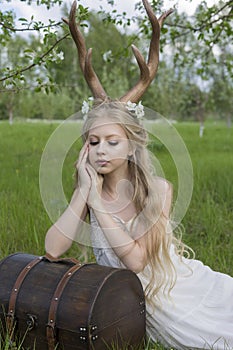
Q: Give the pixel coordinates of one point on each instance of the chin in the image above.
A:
(103, 171)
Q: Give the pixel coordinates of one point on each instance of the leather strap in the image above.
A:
(10, 318)
(51, 325)
(50, 328)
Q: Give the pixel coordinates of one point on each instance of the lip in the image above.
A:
(102, 162)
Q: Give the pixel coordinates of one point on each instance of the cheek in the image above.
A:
(122, 151)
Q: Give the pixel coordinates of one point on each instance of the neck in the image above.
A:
(113, 181)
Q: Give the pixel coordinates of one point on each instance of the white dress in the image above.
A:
(199, 314)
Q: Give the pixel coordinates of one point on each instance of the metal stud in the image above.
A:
(82, 329)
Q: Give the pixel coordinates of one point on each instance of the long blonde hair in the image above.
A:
(146, 199)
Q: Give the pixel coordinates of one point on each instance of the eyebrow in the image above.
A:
(107, 137)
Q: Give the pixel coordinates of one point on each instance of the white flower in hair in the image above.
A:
(131, 106)
(86, 106)
(138, 109)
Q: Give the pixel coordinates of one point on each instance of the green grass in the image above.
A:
(208, 222)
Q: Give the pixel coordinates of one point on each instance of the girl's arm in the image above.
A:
(60, 236)
(130, 251)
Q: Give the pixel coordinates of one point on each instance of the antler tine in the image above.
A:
(92, 79)
(84, 56)
(164, 16)
(147, 70)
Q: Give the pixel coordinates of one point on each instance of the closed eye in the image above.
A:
(113, 143)
(93, 143)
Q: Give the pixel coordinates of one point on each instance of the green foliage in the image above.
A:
(43, 106)
(193, 49)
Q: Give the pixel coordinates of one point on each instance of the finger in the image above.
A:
(83, 154)
(96, 178)
(91, 171)
(84, 150)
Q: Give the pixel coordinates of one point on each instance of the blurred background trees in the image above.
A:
(40, 75)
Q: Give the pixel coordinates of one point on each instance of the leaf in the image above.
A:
(28, 50)
(37, 60)
(22, 19)
(37, 89)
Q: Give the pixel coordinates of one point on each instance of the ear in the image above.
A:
(132, 149)
(130, 153)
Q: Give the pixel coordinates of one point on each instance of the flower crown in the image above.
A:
(86, 106)
(137, 109)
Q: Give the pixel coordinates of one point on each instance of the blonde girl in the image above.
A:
(188, 305)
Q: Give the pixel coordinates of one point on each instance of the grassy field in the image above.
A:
(208, 222)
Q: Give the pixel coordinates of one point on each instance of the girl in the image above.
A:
(189, 306)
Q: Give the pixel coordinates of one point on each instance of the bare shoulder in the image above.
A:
(162, 185)
(165, 190)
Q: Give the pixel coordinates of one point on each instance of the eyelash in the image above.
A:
(111, 143)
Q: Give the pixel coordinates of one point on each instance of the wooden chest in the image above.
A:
(66, 305)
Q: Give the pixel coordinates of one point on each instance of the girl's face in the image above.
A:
(108, 147)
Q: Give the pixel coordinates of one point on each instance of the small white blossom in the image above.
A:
(138, 109)
(54, 56)
(131, 106)
(60, 55)
(9, 86)
(85, 107)
(107, 56)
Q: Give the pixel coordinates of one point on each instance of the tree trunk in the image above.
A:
(10, 108)
(229, 122)
(10, 111)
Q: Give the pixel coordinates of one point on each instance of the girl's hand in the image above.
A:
(84, 179)
(94, 198)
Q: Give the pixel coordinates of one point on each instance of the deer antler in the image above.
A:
(148, 70)
(84, 56)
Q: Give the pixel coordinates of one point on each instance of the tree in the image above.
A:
(211, 25)
(13, 73)
(192, 51)
(221, 93)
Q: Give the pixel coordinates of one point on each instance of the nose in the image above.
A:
(101, 147)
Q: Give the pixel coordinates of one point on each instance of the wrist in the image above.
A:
(79, 196)
(98, 208)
